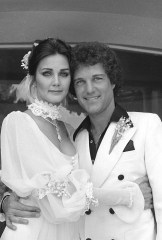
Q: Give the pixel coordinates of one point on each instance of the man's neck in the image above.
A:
(100, 121)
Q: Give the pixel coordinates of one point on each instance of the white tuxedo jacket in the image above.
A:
(109, 169)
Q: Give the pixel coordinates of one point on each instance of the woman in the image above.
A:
(39, 160)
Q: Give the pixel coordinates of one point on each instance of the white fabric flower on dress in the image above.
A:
(67, 184)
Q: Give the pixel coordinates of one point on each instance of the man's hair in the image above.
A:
(91, 53)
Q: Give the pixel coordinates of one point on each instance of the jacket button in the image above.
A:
(121, 177)
(111, 211)
(88, 212)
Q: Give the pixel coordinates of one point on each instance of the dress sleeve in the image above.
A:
(27, 163)
(72, 186)
(22, 152)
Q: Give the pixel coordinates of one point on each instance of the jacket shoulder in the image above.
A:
(143, 117)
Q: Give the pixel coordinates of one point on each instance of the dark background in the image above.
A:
(142, 75)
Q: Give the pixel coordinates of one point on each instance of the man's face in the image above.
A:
(93, 89)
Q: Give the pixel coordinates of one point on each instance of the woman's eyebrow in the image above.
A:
(65, 69)
(99, 74)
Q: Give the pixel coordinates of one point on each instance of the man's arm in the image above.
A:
(146, 190)
(3, 189)
(16, 212)
(153, 162)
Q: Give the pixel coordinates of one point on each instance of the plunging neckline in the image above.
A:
(45, 136)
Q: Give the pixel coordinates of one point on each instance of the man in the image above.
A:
(96, 75)
(122, 146)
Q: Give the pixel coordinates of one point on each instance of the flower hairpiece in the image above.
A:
(25, 61)
(122, 125)
(35, 44)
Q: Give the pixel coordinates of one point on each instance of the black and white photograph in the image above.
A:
(80, 119)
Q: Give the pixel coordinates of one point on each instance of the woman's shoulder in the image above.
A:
(18, 123)
(15, 117)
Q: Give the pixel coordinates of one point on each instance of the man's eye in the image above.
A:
(98, 78)
(78, 82)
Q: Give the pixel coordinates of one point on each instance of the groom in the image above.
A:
(118, 146)
(96, 77)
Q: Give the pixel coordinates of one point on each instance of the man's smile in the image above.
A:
(93, 98)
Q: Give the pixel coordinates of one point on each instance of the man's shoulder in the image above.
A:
(141, 114)
(143, 117)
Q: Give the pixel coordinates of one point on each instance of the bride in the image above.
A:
(39, 160)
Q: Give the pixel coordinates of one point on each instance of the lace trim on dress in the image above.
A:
(47, 111)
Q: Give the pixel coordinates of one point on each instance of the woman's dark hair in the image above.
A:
(45, 48)
(91, 53)
(40, 50)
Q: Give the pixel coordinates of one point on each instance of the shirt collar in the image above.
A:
(117, 114)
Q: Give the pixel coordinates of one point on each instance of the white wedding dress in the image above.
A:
(30, 165)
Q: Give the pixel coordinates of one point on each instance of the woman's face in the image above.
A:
(53, 78)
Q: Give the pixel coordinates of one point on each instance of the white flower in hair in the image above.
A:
(35, 44)
(24, 61)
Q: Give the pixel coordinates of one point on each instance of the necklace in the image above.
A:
(47, 111)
